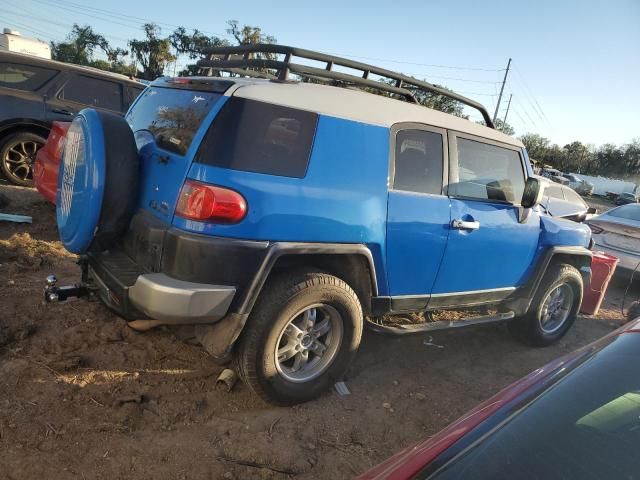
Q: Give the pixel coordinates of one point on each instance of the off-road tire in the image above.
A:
(528, 328)
(12, 140)
(283, 296)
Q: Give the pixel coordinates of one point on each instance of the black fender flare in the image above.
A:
(219, 338)
(581, 256)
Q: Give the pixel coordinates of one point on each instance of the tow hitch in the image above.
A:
(53, 293)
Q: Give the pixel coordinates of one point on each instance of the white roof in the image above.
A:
(359, 106)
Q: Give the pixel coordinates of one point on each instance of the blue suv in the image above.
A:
(280, 215)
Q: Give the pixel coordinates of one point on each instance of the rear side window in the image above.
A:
(94, 92)
(418, 162)
(172, 116)
(628, 212)
(487, 172)
(260, 137)
(24, 77)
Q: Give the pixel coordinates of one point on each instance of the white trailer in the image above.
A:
(12, 41)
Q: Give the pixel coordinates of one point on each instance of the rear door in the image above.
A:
(85, 91)
(168, 124)
(418, 212)
(489, 252)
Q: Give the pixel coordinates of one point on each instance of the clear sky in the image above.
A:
(576, 64)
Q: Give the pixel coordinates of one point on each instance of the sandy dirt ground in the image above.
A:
(83, 396)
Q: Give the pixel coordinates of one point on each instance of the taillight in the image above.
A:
(595, 228)
(58, 133)
(208, 203)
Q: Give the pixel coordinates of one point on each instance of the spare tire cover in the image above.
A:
(97, 181)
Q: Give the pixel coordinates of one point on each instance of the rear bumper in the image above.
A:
(176, 302)
(628, 261)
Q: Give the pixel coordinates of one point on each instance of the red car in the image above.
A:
(575, 418)
(45, 169)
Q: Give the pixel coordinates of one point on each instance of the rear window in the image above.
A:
(629, 212)
(172, 116)
(24, 77)
(260, 137)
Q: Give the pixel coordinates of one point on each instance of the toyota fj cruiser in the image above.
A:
(282, 214)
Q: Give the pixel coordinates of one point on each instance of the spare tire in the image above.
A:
(97, 181)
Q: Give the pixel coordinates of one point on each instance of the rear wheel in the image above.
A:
(554, 307)
(302, 335)
(18, 154)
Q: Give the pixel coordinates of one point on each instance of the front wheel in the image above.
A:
(18, 154)
(554, 307)
(302, 335)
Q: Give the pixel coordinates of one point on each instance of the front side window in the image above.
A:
(93, 92)
(24, 77)
(172, 116)
(260, 137)
(487, 172)
(418, 162)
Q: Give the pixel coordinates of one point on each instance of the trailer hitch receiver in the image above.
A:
(53, 293)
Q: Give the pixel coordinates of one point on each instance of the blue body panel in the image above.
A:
(497, 255)
(337, 201)
(417, 231)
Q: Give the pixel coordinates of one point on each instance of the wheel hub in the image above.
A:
(309, 343)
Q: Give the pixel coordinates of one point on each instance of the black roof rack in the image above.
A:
(260, 61)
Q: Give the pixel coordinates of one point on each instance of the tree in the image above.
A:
(153, 53)
(247, 35)
(504, 127)
(81, 45)
(536, 145)
(576, 158)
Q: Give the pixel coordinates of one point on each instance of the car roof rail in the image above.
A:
(260, 61)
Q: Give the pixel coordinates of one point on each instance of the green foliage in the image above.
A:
(81, 45)
(607, 160)
(153, 53)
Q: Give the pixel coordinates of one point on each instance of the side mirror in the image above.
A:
(592, 210)
(532, 194)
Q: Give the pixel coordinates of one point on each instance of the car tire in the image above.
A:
(290, 317)
(554, 307)
(18, 154)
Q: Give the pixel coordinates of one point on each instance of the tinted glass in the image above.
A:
(418, 162)
(24, 77)
(172, 116)
(587, 427)
(260, 137)
(629, 212)
(488, 172)
(93, 92)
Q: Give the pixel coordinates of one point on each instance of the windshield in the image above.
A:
(172, 116)
(582, 428)
(629, 212)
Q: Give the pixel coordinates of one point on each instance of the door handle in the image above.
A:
(62, 111)
(462, 225)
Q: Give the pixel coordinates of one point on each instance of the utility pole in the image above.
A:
(495, 115)
(504, 122)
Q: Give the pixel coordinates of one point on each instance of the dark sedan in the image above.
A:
(576, 418)
(626, 198)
